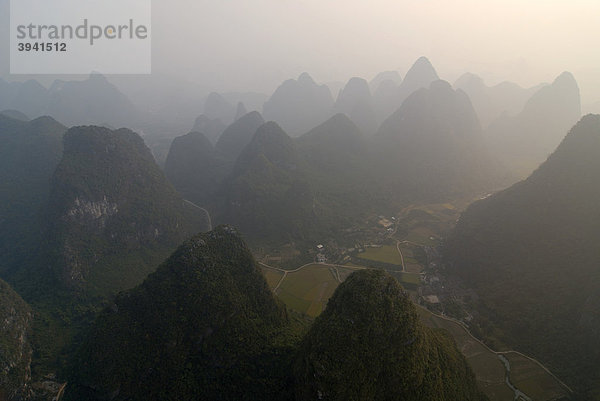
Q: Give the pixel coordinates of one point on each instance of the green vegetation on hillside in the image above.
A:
(531, 253)
(15, 348)
(205, 323)
(369, 345)
(29, 153)
(111, 208)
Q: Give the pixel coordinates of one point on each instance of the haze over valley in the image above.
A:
(324, 201)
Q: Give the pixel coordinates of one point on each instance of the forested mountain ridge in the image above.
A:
(110, 203)
(369, 345)
(205, 323)
(531, 253)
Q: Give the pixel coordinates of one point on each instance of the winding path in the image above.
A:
(499, 353)
(210, 227)
(461, 324)
(285, 272)
(401, 256)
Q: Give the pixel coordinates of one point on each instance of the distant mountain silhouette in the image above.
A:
(435, 147)
(299, 105)
(336, 154)
(390, 94)
(386, 99)
(28, 97)
(356, 102)
(212, 128)
(240, 111)
(92, 101)
(253, 101)
(191, 167)
(524, 141)
(393, 76)
(491, 102)
(531, 253)
(267, 195)
(238, 135)
(14, 114)
(216, 107)
(197, 168)
(420, 75)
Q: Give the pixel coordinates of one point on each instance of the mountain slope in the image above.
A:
(217, 107)
(390, 94)
(28, 97)
(524, 141)
(267, 195)
(393, 76)
(15, 350)
(491, 103)
(420, 75)
(335, 156)
(531, 253)
(212, 128)
(92, 101)
(191, 167)
(299, 105)
(204, 324)
(111, 212)
(356, 102)
(368, 344)
(432, 147)
(239, 134)
(29, 153)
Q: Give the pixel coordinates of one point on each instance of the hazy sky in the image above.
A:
(255, 44)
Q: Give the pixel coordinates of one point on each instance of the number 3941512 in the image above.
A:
(42, 47)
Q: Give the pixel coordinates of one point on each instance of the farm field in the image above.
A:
(385, 254)
(489, 371)
(422, 236)
(486, 365)
(532, 380)
(272, 276)
(408, 278)
(308, 290)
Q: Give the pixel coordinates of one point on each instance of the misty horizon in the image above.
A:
(299, 200)
(253, 47)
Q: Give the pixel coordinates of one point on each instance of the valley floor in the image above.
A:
(407, 246)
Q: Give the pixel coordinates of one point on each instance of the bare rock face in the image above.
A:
(112, 215)
(15, 351)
